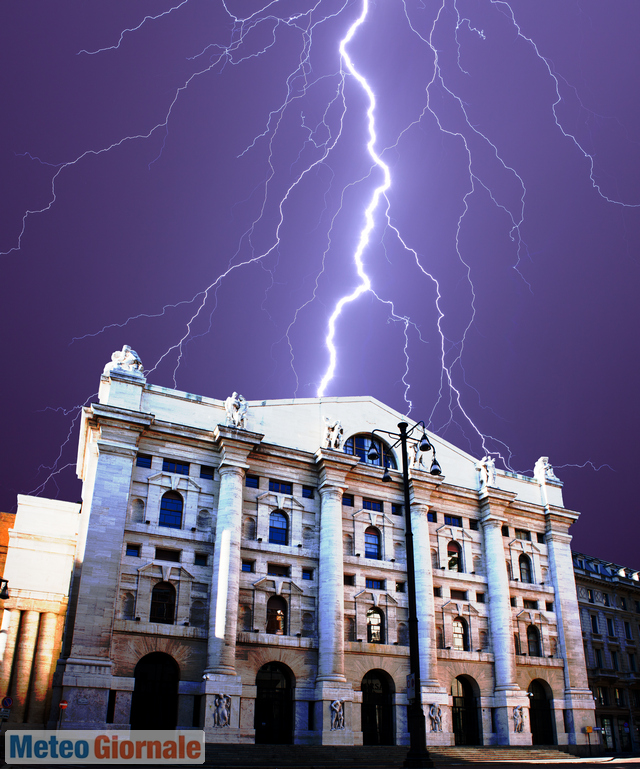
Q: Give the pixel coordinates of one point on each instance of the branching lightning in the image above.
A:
(321, 141)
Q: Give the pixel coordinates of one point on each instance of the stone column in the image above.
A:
(331, 683)
(23, 662)
(43, 667)
(220, 672)
(223, 613)
(507, 694)
(10, 625)
(424, 597)
(331, 588)
(578, 697)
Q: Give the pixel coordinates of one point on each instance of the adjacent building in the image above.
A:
(609, 601)
(242, 568)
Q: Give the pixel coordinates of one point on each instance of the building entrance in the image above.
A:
(377, 708)
(273, 719)
(464, 712)
(154, 704)
(540, 714)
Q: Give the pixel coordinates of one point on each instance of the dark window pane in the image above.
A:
(206, 472)
(175, 466)
(281, 487)
(251, 481)
(143, 460)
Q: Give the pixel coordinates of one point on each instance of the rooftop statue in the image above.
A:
(126, 360)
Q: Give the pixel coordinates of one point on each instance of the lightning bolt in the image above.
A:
(429, 25)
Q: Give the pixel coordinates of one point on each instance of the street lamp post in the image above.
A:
(418, 755)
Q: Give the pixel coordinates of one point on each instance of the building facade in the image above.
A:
(609, 601)
(245, 571)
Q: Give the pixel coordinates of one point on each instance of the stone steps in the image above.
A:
(334, 757)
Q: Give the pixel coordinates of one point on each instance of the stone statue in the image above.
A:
(487, 468)
(518, 718)
(221, 710)
(543, 471)
(333, 437)
(337, 715)
(126, 360)
(435, 714)
(417, 460)
(236, 409)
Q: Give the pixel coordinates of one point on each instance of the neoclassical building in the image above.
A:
(244, 570)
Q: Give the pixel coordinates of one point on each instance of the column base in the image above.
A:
(220, 717)
(340, 724)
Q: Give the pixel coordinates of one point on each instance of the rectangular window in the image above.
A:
(614, 661)
(175, 466)
(512, 600)
(638, 607)
(632, 663)
(594, 624)
(627, 631)
(598, 654)
(605, 599)
(200, 559)
(277, 570)
(505, 531)
(528, 604)
(164, 554)
(374, 584)
(623, 603)
(143, 460)
(549, 605)
(432, 517)
(307, 492)
(459, 595)
(540, 537)
(437, 592)
(349, 580)
(619, 693)
(251, 481)
(523, 534)
(400, 587)
(480, 597)
(396, 509)
(206, 471)
(610, 627)
(473, 524)
(133, 550)
(453, 520)
(248, 565)
(372, 504)
(280, 487)
(590, 596)
(347, 500)
(307, 574)
(602, 696)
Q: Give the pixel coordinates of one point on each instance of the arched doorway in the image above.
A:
(377, 708)
(154, 704)
(273, 720)
(464, 712)
(540, 713)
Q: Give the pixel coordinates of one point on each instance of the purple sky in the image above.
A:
(528, 221)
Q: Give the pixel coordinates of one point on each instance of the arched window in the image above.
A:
(533, 641)
(277, 615)
(307, 624)
(171, 510)
(372, 547)
(454, 556)
(516, 643)
(245, 620)
(163, 603)
(360, 446)
(375, 626)
(460, 635)
(525, 568)
(278, 528)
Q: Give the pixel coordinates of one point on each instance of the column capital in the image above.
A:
(235, 445)
(333, 493)
(237, 470)
(334, 466)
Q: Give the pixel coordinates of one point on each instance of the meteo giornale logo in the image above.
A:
(156, 747)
